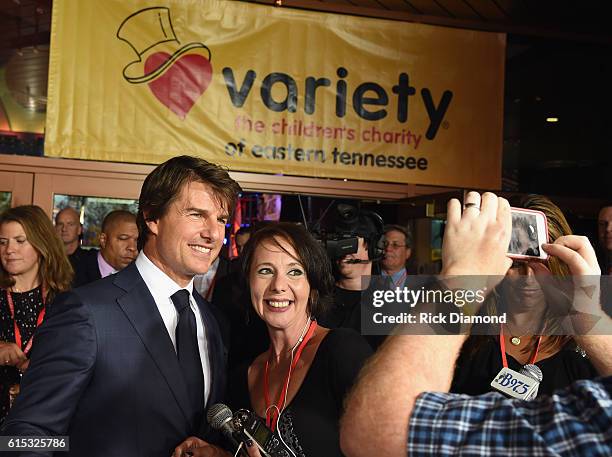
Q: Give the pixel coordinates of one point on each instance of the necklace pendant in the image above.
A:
(515, 340)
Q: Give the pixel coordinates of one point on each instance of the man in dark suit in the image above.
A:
(118, 241)
(126, 366)
(69, 229)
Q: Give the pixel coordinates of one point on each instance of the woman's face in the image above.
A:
(521, 288)
(279, 287)
(17, 255)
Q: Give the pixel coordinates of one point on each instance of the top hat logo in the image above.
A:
(176, 74)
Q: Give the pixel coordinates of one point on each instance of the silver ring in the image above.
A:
(472, 205)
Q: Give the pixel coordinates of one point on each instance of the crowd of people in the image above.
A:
(125, 348)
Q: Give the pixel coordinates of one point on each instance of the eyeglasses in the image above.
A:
(393, 245)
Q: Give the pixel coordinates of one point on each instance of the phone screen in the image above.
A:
(525, 240)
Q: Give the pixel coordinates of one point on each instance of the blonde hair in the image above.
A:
(557, 227)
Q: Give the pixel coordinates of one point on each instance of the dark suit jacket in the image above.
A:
(86, 268)
(104, 371)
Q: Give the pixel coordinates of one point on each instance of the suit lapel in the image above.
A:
(141, 310)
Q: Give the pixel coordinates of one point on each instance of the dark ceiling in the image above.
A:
(584, 20)
(26, 23)
(23, 24)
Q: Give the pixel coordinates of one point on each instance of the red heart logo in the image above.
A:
(181, 84)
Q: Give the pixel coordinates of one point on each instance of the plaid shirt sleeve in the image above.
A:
(576, 421)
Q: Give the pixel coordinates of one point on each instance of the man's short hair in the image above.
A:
(164, 185)
(403, 230)
(607, 205)
(118, 215)
(65, 210)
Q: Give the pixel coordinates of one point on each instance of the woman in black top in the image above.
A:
(33, 269)
(532, 333)
(298, 385)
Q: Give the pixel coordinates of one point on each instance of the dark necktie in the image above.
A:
(188, 352)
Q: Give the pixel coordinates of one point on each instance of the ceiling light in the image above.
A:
(552, 119)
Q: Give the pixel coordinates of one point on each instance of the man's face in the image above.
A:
(604, 224)
(187, 239)
(241, 240)
(355, 270)
(118, 243)
(396, 251)
(67, 225)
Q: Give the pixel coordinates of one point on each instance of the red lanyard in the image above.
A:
(502, 345)
(271, 415)
(41, 316)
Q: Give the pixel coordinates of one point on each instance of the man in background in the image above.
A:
(604, 234)
(353, 281)
(69, 229)
(118, 248)
(398, 249)
(242, 236)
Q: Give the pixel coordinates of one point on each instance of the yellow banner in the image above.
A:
(275, 90)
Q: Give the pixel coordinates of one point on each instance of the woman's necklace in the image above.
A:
(273, 411)
(514, 340)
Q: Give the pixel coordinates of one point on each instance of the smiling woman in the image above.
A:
(33, 269)
(298, 385)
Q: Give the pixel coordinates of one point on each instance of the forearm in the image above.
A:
(593, 330)
(379, 407)
(599, 350)
(62, 363)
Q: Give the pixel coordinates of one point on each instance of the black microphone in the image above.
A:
(219, 416)
(354, 261)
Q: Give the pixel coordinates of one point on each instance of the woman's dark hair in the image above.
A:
(165, 183)
(309, 253)
(54, 269)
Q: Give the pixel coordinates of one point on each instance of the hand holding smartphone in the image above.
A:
(529, 232)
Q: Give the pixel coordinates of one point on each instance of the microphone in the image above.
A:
(533, 371)
(219, 416)
(522, 385)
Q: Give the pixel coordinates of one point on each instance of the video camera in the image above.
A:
(350, 224)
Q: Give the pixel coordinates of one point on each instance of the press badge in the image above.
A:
(515, 384)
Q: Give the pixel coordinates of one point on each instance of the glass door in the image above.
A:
(15, 189)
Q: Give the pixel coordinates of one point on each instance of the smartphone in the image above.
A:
(529, 232)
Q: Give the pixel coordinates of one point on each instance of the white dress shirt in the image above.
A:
(162, 288)
(203, 283)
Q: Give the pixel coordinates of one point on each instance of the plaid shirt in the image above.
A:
(577, 421)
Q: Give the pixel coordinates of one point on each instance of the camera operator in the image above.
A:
(353, 272)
